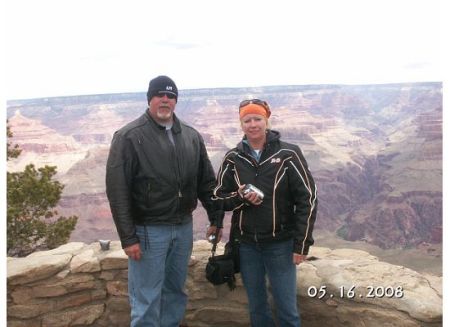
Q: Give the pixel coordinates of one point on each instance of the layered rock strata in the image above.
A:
(375, 151)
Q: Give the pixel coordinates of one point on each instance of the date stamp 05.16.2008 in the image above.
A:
(353, 291)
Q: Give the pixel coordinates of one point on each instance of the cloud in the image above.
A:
(418, 65)
(178, 45)
(74, 48)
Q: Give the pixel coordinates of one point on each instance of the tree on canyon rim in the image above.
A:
(32, 221)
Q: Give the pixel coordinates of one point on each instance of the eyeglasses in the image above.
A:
(169, 95)
(259, 102)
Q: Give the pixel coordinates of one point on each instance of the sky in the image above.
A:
(76, 47)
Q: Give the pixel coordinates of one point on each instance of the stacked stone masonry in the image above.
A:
(80, 285)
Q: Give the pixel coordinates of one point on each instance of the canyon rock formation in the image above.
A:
(375, 151)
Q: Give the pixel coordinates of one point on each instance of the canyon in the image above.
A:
(375, 152)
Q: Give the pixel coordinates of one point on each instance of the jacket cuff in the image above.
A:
(216, 218)
(298, 248)
(129, 241)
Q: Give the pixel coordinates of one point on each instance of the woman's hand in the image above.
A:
(251, 197)
(298, 258)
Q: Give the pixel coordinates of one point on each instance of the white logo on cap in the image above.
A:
(169, 88)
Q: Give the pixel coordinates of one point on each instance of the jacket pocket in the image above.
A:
(154, 193)
(188, 201)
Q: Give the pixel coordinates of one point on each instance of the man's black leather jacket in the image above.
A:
(151, 181)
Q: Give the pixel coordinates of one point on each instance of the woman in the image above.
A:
(275, 228)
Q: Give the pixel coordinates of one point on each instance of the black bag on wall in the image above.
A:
(220, 269)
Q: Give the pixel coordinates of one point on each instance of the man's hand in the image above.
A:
(212, 231)
(133, 251)
(298, 258)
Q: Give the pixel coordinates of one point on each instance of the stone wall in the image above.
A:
(80, 285)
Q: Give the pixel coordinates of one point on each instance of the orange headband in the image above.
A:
(252, 108)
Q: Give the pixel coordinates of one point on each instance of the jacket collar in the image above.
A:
(176, 127)
(271, 137)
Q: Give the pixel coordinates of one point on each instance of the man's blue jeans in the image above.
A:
(275, 260)
(156, 282)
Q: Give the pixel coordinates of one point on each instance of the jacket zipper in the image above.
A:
(256, 166)
(177, 174)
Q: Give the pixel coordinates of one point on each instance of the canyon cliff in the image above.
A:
(374, 150)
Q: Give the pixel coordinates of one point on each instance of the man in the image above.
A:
(157, 169)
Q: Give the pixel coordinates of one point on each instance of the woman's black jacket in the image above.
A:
(290, 196)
